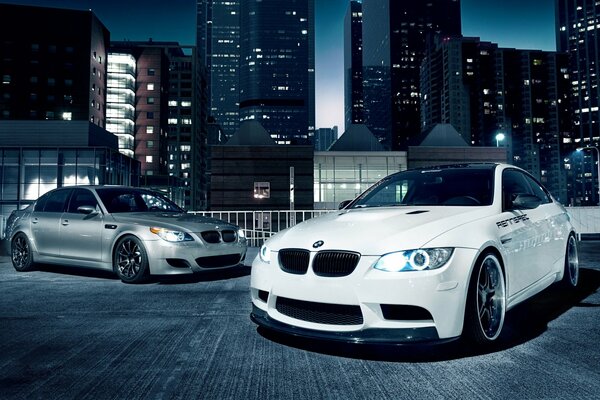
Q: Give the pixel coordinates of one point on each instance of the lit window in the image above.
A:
(149, 129)
(149, 159)
(67, 116)
(150, 100)
(150, 86)
(173, 103)
(172, 121)
(6, 79)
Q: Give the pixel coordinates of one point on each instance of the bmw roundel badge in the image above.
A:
(318, 244)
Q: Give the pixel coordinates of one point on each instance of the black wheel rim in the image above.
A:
(490, 298)
(572, 261)
(20, 252)
(129, 259)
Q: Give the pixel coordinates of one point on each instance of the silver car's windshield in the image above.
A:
(432, 187)
(120, 200)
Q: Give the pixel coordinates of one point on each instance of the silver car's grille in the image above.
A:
(335, 263)
(213, 237)
(294, 261)
(228, 236)
(320, 313)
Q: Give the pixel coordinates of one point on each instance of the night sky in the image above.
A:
(523, 24)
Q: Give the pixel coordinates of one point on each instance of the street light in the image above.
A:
(598, 154)
(499, 137)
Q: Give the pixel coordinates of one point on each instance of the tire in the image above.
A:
(486, 301)
(20, 253)
(571, 273)
(130, 260)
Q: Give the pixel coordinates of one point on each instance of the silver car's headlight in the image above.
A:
(265, 254)
(241, 234)
(414, 260)
(171, 236)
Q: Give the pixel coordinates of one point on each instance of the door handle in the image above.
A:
(65, 222)
(34, 221)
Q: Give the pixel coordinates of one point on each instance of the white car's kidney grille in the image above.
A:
(335, 263)
(320, 313)
(294, 261)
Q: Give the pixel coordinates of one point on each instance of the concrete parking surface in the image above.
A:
(68, 333)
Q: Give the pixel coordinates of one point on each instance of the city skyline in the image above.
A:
(524, 24)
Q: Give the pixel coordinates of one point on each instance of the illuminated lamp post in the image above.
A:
(598, 155)
(499, 138)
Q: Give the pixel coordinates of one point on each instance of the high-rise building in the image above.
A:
(218, 43)
(120, 104)
(458, 81)
(277, 67)
(167, 114)
(353, 65)
(484, 91)
(53, 91)
(578, 34)
(42, 62)
(324, 138)
(396, 36)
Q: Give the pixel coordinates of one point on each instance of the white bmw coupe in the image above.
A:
(423, 255)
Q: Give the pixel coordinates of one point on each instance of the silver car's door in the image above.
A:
(81, 227)
(45, 222)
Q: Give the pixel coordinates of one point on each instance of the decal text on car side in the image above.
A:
(511, 221)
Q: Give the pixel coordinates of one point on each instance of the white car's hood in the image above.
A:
(375, 231)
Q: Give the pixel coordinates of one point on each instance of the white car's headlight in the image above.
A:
(414, 260)
(265, 254)
(171, 236)
(241, 234)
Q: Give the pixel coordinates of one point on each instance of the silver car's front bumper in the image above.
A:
(168, 258)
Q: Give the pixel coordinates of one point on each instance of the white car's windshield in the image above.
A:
(432, 187)
(119, 200)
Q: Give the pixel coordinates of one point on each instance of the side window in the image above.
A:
(81, 197)
(513, 183)
(538, 190)
(40, 203)
(56, 201)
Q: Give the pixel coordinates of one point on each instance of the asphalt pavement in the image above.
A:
(68, 333)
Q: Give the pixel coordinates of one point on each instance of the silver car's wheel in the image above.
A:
(130, 260)
(20, 253)
(486, 301)
(571, 274)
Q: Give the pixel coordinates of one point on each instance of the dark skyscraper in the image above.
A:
(578, 34)
(277, 72)
(396, 35)
(353, 65)
(218, 43)
(53, 64)
(484, 91)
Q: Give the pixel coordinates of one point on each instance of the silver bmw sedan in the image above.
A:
(131, 231)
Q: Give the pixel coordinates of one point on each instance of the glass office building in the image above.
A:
(343, 175)
(28, 172)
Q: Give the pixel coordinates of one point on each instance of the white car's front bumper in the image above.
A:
(381, 306)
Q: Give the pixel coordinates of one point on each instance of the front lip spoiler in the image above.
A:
(404, 336)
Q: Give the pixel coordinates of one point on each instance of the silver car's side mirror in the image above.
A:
(88, 210)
